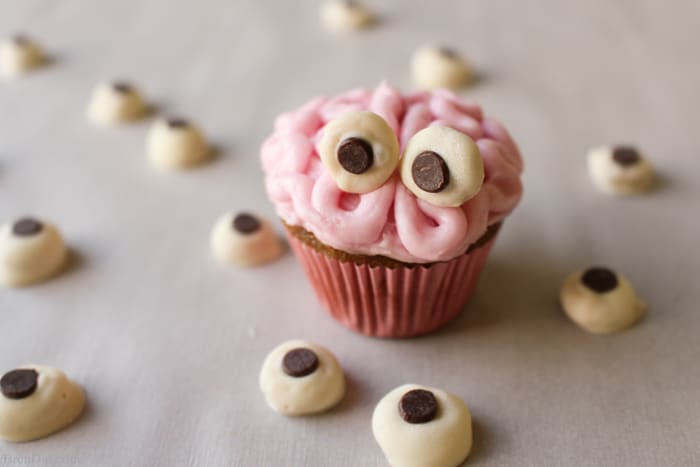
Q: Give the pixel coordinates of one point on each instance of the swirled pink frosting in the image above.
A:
(389, 221)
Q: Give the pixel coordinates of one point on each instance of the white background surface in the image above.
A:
(168, 344)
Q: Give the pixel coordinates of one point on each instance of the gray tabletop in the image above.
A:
(168, 344)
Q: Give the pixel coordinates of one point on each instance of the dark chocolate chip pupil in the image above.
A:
(20, 383)
(599, 279)
(122, 87)
(300, 362)
(177, 123)
(26, 227)
(246, 223)
(355, 155)
(20, 39)
(430, 172)
(625, 155)
(448, 52)
(418, 406)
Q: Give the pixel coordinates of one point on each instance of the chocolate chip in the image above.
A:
(299, 362)
(626, 155)
(246, 223)
(177, 123)
(355, 155)
(121, 87)
(448, 52)
(20, 39)
(430, 172)
(599, 279)
(26, 227)
(418, 406)
(20, 383)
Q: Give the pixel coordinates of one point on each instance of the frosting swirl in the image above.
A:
(389, 221)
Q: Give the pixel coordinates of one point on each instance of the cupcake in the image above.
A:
(392, 202)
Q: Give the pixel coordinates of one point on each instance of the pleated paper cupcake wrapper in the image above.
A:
(392, 302)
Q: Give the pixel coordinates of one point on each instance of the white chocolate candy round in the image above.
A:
(345, 15)
(313, 392)
(601, 301)
(437, 154)
(30, 251)
(115, 103)
(244, 239)
(18, 55)
(434, 67)
(365, 128)
(444, 441)
(175, 145)
(620, 170)
(55, 403)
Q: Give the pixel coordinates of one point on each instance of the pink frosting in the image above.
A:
(390, 220)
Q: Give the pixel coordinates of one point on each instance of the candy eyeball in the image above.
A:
(601, 301)
(345, 15)
(442, 166)
(301, 378)
(620, 170)
(176, 144)
(36, 401)
(114, 103)
(418, 425)
(31, 251)
(439, 67)
(360, 151)
(244, 239)
(18, 55)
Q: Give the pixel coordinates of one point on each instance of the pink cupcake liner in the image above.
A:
(380, 301)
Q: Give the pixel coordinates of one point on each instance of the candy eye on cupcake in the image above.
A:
(359, 150)
(442, 166)
(620, 170)
(601, 301)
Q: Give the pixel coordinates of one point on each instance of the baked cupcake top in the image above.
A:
(416, 177)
